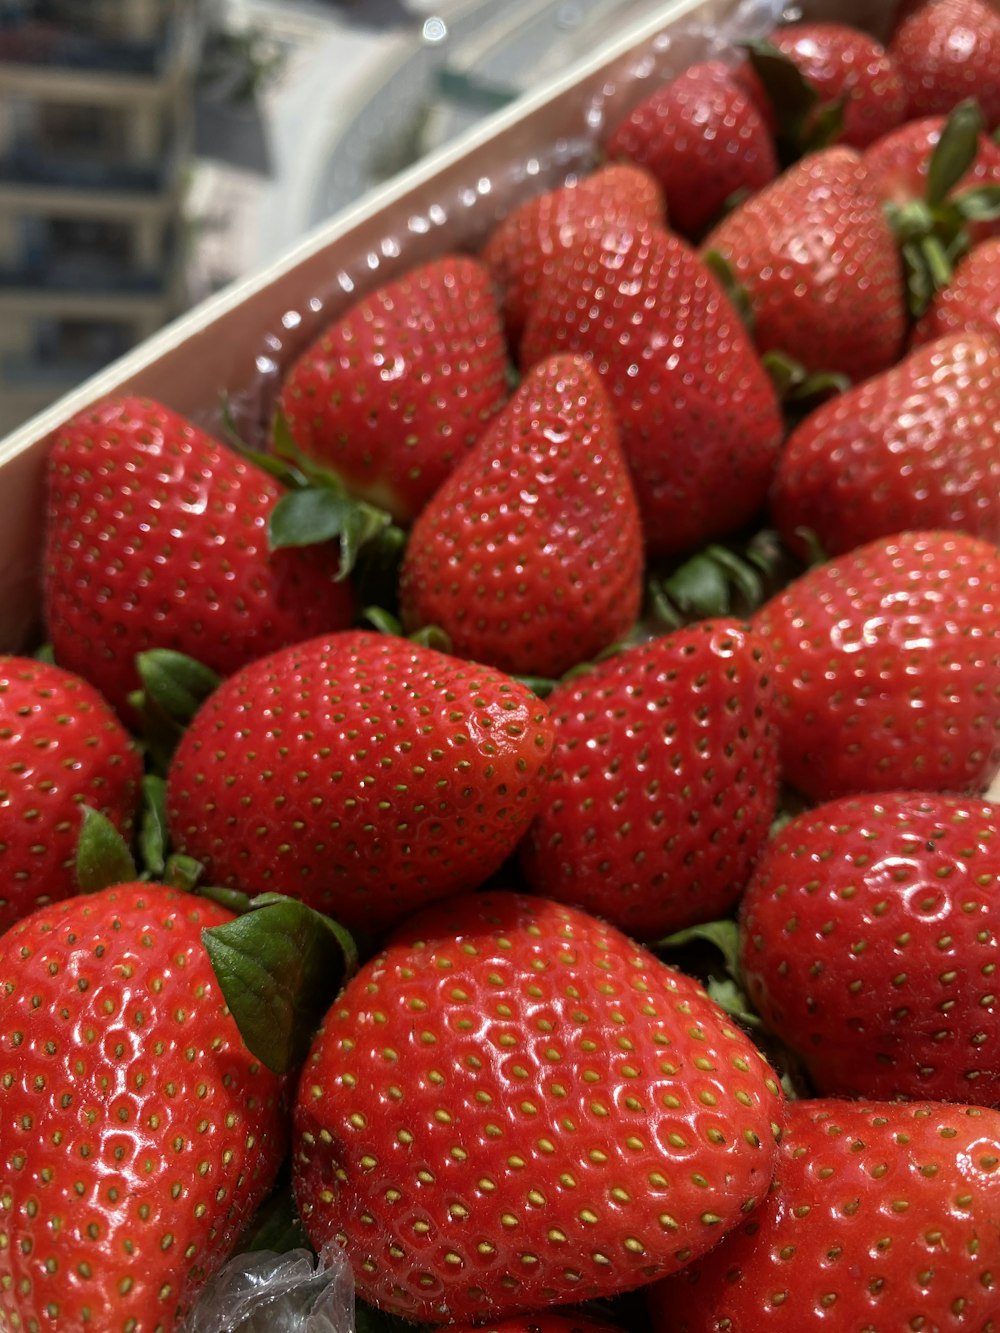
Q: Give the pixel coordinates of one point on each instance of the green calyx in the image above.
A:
(804, 124)
(720, 580)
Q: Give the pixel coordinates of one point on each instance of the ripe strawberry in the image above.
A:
(882, 1217)
(946, 51)
(700, 424)
(514, 1107)
(529, 556)
(522, 248)
(870, 942)
(704, 141)
(886, 665)
(847, 69)
(899, 166)
(918, 445)
(157, 537)
(361, 773)
(820, 265)
(137, 1134)
(664, 781)
(394, 392)
(971, 301)
(61, 747)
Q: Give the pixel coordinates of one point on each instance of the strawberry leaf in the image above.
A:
(738, 295)
(153, 836)
(280, 966)
(102, 854)
(182, 872)
(981, 204)
(954, 152)
(723, 935)
(174, 686)
(793, 98)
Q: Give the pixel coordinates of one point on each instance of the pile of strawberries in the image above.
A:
(530, 824)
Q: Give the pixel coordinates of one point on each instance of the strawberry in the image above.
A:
(886, 665)
(664, 781)
(917, 445)
(513, 1107)
(157, 537)
(946, 51)
(704, 141)
(530, 556)
(882, 1217)
(819, 263)
(852, 77)
(392, 394)
(522, 249)
(137, 1134)
(971, 301)
(61, 748)
(870, 943)
(538, 1323)
(699, 419)
(361, 773)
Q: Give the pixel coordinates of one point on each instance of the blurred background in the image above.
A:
(152, 151)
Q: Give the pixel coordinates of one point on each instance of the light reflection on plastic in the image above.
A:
(345, 282)
(418, 225)
(435, 30)
(267, 366)
(291, 319)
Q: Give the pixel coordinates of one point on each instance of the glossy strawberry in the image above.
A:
(703, 139)
(530, 555)
(395, 391)
(882, 1217)
(886, 666)
(699, 420)
(820, 265)
(848, 70)
(523, 248)
(137, 1134)
(61, 748)
(917, 445)
(157, 537)
(664, 781)
(361, 773)
(514, 1107)
(871, 944)
(946, 51)
(971, 301)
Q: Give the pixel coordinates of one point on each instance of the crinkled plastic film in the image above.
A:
(265, 1292)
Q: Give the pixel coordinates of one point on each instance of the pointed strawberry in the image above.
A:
(513, 1107)
(394, 392)
(361, 773)
(970, 303)
(870, 943)
(886, 662)
(946, 51)
(529, 556)
(918, 445)
(819, 263)
(703, 140)
(699, 418)
(522, 249)
(882, 1216)
(61, 748)
(664, 781)
(156, 537)
(137, 1134)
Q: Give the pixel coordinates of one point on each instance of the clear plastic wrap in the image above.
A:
(265, 1292)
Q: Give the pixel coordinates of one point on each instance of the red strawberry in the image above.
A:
(522, 249)
(513, 1107)
(137, 1134)
(361, 773)
(703, 140)
(394, 392)
(157, 537)
(886, 664)
(882, 1217)
(664, 781)
(899, 166)
(61, 747)
(971, 301)
(871, 943)
(917, 445)
(530, 555)
(700, 424)
(820, 265)
(845, 68)
(946, 51)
